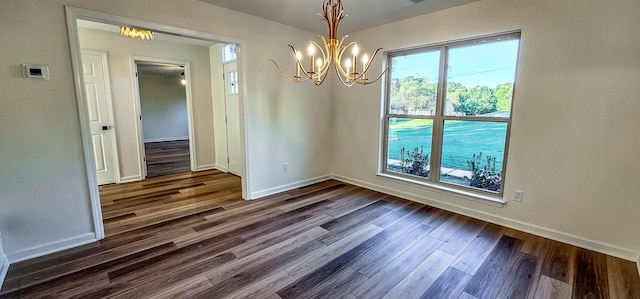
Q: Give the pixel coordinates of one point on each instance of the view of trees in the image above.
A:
(418, 93)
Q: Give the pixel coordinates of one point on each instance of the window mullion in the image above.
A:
(436, 140)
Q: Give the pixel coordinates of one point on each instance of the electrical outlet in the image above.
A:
(285, 166)
(517, 195)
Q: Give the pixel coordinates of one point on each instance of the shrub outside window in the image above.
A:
(448, 113)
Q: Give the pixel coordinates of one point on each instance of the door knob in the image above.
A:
(105, 128)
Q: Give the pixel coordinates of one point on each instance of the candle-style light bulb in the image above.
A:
(365, 61)
(312, 51)
(319, 64)
(347, 63)
(298, 55)
(355, 50)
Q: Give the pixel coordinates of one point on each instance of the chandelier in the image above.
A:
(136, 33)
(331, 53)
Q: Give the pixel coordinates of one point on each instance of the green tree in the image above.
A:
(454, 90)
(478, 100)
(504, 93)
(412, 93)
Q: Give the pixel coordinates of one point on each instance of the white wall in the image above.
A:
(43, 188)
(119, 50)
(574, 140)
(163, 103)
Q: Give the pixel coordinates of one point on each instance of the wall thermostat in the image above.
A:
(35, 71)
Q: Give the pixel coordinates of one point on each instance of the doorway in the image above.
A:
(232, 108)
(128, 115)
(166, 119)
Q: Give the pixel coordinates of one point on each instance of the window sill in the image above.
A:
(485, 199)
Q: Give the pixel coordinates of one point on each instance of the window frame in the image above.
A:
(439, 118)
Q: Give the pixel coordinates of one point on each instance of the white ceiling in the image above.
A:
(362, 13)
(161, 69)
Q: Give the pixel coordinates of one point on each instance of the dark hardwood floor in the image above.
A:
(167, 157)
(191, 235)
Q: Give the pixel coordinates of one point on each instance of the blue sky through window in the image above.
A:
(487, 64)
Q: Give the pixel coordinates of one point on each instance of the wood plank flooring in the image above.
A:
(192, 236)
(168, 157)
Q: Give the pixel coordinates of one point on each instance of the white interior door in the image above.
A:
(233, 117)
(98, 97)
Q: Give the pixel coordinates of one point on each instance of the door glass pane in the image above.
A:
(414, 82)
(229, 53)
(473, 153)
(409, 146)
(480, 79)
(232, 81)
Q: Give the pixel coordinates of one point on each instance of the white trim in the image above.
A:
(85, 131)
(72, 15)
(221, 168)
(4, 268)
(638, 263)
(51, 247)
(580, 241)
(287, 187)
(4, 263)
(133, 178)
(490, 200)
(205, 167)
(138, 108)
(178, 138)
(137, 111)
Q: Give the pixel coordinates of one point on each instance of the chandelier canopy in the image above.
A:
(331, 53)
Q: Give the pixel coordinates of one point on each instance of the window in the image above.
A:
(229, 53)
(448, 113)
(232, 82)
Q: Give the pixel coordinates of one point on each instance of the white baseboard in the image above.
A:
(222, 168)
(180, 138)
(205, 167)
(287, 187)
(564, 237)
(133, 178)
(51, 247)
(4, 268)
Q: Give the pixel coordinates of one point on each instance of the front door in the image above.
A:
(233, 117)
(98, 97)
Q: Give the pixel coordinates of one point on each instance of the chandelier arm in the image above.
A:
(338, 60)
(322, 70)
(376, 80)
(349, 84)
(285, 75)
(366, 67)
(299, 64)
(318, 82)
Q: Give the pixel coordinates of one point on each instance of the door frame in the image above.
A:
(135, 84)
(226, 109)
(73, 14)
(112, 131)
